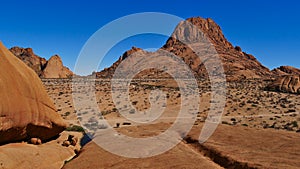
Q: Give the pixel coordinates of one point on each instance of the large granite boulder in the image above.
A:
(26, 110)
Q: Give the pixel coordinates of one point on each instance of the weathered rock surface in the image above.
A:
(93, 156)
(243, 147)
(53, 68)
(50, 155)
(228, 147)
(29, 58)
(286, 70)
(26, 110)
(286, 83)
(27, 156)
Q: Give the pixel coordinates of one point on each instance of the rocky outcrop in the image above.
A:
(286, 70)
(50, 155)
(26, 110)
(286, 83)
(26, 156)
(30, 59)
(53, 68)
(237, 64)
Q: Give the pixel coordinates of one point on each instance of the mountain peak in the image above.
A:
(55, 58)
(237, 64)
(211, 30)
(129, 52)
(53, 68)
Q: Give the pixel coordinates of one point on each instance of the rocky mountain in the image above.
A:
(237, 64)
(53, 68)
(26, 111)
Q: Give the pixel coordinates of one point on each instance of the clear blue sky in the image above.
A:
(270, 30)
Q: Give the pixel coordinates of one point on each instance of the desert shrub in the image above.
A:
(105, 112)
(132, 111)
(294, 124)
(67, 113)
(75, 128)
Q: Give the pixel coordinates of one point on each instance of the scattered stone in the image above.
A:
(66, 143)
(36, 141)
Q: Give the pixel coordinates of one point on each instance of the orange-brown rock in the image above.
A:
(27, 156)
(30, 59)
(237, 64)
(286, 83)
(53, 68)
(286, 70)
(26, 111)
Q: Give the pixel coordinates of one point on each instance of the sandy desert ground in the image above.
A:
(259, 128)
(248, 104)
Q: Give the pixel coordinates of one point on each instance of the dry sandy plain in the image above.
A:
(259, 128)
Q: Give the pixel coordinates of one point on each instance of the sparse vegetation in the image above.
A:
(75, 128)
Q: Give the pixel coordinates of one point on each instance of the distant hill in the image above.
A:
(52, 68)
(237, 64)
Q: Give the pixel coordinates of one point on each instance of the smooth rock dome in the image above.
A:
(26, 110)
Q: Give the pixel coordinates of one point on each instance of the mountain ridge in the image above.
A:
(237, 64)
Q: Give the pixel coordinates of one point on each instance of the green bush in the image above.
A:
(294, 124)
(75, 128)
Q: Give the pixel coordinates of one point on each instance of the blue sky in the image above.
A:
(270, 30)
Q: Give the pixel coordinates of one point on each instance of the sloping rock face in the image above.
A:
(53, 68)
(286, 83)
(26, 111)
(237, 64)
(27, 156)
(50, 155)
(286, 70)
